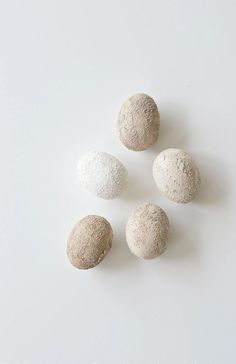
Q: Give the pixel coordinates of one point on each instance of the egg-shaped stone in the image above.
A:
(102, 174)
(176, 175)
(138, 122)
(89, 242)
(147, 231)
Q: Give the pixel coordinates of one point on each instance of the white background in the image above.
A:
(65, 69)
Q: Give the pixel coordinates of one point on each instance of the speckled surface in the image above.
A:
(147, 231)
(102, 174)
(176, 175)
(89, 241)
(138, 122)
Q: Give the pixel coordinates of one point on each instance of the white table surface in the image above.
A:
(65, 69)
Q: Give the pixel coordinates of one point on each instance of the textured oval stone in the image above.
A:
(138, 122)
(89, 241)
(176, 175)
(102, 174)
(147, 231)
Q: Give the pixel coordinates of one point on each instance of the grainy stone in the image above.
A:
(138, 122)
(176, 175)
(102, 174)
(147, 231)
(89, 242)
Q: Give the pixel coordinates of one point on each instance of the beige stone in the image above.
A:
(138, 122)
(176, 175)
(147, 231)
(89, 241)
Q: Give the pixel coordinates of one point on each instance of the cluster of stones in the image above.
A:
(174, 171)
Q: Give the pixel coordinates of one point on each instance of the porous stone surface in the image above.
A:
(102, 174)
(138, 122)
(147, 231)
(176, 175)
(89, 241)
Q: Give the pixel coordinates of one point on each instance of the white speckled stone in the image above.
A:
(147, 231)
(102, 174)
(138, 122)
(176, 175)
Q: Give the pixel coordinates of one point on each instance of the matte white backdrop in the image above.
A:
(65, 69)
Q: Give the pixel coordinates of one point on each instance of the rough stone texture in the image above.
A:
(102, 174)
(138, 122)
(147, 231)
(89, 242)
(176, 175)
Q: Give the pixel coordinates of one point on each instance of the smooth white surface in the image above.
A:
(65, 69)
